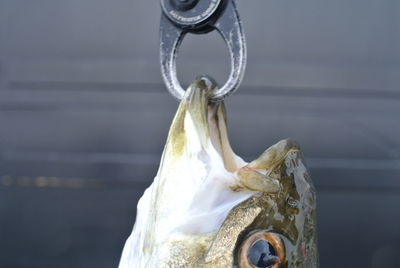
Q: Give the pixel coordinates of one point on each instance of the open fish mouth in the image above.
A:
(207, 207)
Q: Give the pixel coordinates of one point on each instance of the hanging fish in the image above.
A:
(208, 208)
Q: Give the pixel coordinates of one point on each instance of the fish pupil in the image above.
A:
(262, 254)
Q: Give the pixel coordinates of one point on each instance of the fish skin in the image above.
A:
(206, 201)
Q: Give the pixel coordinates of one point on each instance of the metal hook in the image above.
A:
(201, 16)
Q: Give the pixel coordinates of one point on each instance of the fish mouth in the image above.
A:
(191, 194)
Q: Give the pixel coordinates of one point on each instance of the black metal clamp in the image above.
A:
(201, 16)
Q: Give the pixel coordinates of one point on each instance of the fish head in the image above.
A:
(207, 207)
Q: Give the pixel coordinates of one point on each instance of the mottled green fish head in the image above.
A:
(209, 208)
(280, 229)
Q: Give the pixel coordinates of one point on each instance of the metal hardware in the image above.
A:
(180, 17)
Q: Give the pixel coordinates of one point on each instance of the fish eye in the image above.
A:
(262, 250)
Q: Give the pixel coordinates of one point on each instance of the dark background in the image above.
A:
(84, 116)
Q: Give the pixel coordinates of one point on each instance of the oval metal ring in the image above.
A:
(230, 28)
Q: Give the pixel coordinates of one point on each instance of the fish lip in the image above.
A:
(203, 82)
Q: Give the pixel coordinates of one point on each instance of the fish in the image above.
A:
(207, 207)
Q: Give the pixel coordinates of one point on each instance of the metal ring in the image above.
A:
(230, 28)
(190, 14)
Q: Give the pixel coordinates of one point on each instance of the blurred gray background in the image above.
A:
(84, 116)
